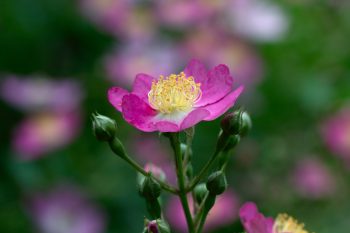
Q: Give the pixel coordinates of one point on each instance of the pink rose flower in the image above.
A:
(176, 102)
(255, 222)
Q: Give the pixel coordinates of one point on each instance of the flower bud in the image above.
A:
(184, 148)
(189, 170)
(232, 141)
(216, 183)
(104, 128)
(157, 226)
(150, 188)
(153, 208)
(200, 191)
(236, 123)
(117, 147)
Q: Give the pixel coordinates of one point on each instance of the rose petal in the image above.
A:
(216, 86)
(247, 212)
(196, 69)
(138, 113)
(142, 85)
(194, 117)
(220, 107)
(115, 96)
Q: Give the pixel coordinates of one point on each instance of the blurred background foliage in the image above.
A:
(303, 80)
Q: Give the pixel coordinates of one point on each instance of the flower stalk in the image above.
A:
(175, 144)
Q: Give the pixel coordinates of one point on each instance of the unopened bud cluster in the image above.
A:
(236, 123)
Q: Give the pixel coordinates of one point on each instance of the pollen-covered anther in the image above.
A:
(287, 224)
(174, 93)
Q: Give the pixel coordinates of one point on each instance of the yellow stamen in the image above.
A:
(174, 93)
(287, 224)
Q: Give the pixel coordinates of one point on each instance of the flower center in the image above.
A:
(174, 93)
(287, 224)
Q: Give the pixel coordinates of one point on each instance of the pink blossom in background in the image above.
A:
(224, 212)
(155, 170)
(155, 59)
(336, 134)
(65, 210)
(44, 132)
(312, 179)
(125, 19)
(183, 14)
(258, 20)
(214, 46)
(176, 102)
(149, 149)
(34, 93)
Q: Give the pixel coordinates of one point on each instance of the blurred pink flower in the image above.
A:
(65, 210)
(176, 102)
(149, 150)
(224, 212)
(214, 46)
(126, 19)
(336, 134)
(155, 170)
(43, 132)
(258, 20)
(154, 59)
(35, 93)
(184, 14)
(312, 179)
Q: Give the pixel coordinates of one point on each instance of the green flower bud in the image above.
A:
(150, 188)
(200, 191)
(183, 148)
(189, 170)
(117, 147)
(104, 128)
(247, 124)
(216, 183)
(153, 208)
(236, 123)
(232, 141)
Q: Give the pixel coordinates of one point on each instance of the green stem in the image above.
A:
(202, 172)
(118, 149)
(174, 140)
(202, 222)
(208, 204)
(200, 210)
(137, 167)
